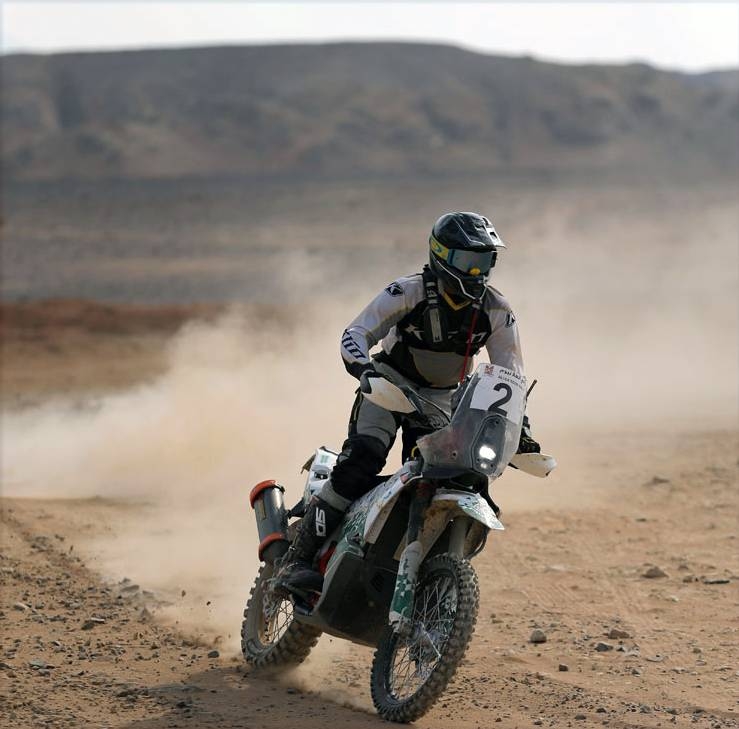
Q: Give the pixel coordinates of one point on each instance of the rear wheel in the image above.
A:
(270, 635)
(410, 673)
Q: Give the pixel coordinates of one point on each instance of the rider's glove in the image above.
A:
(365, 380)
(526, 443)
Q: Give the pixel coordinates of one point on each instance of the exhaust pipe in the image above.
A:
(269, 507)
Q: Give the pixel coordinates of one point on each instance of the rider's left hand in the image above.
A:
(526, 443)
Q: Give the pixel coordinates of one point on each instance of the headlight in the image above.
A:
(486, 453)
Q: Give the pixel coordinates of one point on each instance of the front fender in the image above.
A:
(473, 505)
(444, 507)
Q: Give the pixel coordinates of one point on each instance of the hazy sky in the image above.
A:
(690, 36)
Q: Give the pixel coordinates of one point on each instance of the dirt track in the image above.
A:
(81, 648)
(576, 573)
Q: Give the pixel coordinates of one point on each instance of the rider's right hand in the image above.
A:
(382, 391)
(365, 380)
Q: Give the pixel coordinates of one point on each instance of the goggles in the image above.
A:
(473, 263)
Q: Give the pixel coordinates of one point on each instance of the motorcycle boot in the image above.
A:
(297, 575)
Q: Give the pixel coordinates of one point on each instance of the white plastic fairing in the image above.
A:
(535, 464)
(383, 503)
(319, 470)
(388, 396)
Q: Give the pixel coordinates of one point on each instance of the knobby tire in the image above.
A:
(291, 647)
(410, 708)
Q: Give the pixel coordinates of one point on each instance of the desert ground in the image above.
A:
(133, 431)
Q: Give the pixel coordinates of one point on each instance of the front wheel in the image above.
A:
(270, 635)
(410, 673)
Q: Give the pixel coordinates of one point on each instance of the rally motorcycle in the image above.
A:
(397, 572)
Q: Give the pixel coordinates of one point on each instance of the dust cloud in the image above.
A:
(629, 313)
(628, 326)
(335, 669)
(238, 404)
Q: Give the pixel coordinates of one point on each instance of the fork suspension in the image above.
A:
(401, 607)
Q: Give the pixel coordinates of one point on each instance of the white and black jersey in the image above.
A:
(397, 317)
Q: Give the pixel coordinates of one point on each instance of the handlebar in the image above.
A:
(420, 403)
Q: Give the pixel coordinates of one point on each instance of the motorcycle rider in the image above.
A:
(430, 326)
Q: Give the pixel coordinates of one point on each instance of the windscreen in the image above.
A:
(485, 428)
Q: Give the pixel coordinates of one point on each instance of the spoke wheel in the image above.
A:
(276, 619)
(410, 673)
(270, 635)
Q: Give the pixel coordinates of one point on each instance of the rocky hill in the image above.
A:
(343, 110)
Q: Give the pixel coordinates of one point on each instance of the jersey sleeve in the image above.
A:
(503, 346)
(374, 322)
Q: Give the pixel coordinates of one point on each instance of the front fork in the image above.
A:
(401, 607)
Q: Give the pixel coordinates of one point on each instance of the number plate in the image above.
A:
(500, 391)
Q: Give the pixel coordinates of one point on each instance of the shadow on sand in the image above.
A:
(228, 698)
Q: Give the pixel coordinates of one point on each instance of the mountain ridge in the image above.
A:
(343, 109)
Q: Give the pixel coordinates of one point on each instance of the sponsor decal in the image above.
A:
(438, 249)
(510, 320)
(351, 346)
(415, 331)
(320, 523)
(394, 289)
(475, 338)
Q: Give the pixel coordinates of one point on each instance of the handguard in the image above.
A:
(386, 395)
(535, 464)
